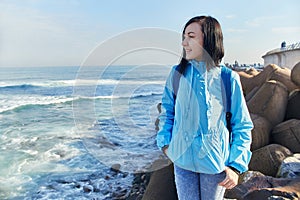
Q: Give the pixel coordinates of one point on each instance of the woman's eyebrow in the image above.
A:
(191, 32)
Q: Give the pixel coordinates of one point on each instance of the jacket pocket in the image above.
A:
(179, 144)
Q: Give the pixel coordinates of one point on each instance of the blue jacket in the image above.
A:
(194, 127)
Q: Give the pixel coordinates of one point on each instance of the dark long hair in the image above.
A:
(212, 41)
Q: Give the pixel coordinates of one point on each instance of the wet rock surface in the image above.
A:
(266, 187)
(103, 186)
(139, 185)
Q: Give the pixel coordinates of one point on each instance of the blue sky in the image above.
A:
(64, 32)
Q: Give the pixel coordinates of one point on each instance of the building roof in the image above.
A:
(283, 49)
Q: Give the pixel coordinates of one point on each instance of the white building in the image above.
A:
(286, 56)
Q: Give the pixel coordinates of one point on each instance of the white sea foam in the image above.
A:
(13, 102)
(11, 185)
(83, 82)
(98, 97)
(79, 82)
(123, 95)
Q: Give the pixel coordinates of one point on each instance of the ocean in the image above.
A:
(65, 131)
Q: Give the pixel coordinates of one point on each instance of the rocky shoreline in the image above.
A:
(139, 186)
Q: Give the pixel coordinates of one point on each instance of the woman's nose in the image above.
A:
(184, 42)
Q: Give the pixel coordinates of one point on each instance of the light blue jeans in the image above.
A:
(198, 186)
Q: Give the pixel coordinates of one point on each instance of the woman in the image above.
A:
(192, 128)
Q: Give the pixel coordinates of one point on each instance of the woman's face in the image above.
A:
(193, 41)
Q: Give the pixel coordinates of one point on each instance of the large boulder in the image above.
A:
(251, 94)
(288, 192)
(268, 159)
(295, 74)
(270, 101)
(261, 132)
(254, 80)
(287, 134)
(290, 167)
(283, 75)
(293, 106)
(250, 82)
(265, 187)
(161, 185)
(252, 71)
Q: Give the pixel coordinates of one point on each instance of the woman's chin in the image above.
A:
(189, 57)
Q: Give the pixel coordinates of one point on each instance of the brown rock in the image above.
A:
(295, 74)
(290, 167)
(161, 185)
(252, 71)
(274, 194)
(270, 101)
(270, 72)
(287, 134)
(115, 167)
(293, 106)
(263, 187)
(261, 132)
(251, 93)
(283, 75)
(249, 82)
(268, 159)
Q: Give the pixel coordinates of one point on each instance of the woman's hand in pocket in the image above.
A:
(165, 149)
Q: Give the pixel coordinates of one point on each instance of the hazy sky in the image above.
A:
(65, 32)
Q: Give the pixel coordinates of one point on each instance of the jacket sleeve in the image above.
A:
(166, 117)
(242, 125)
